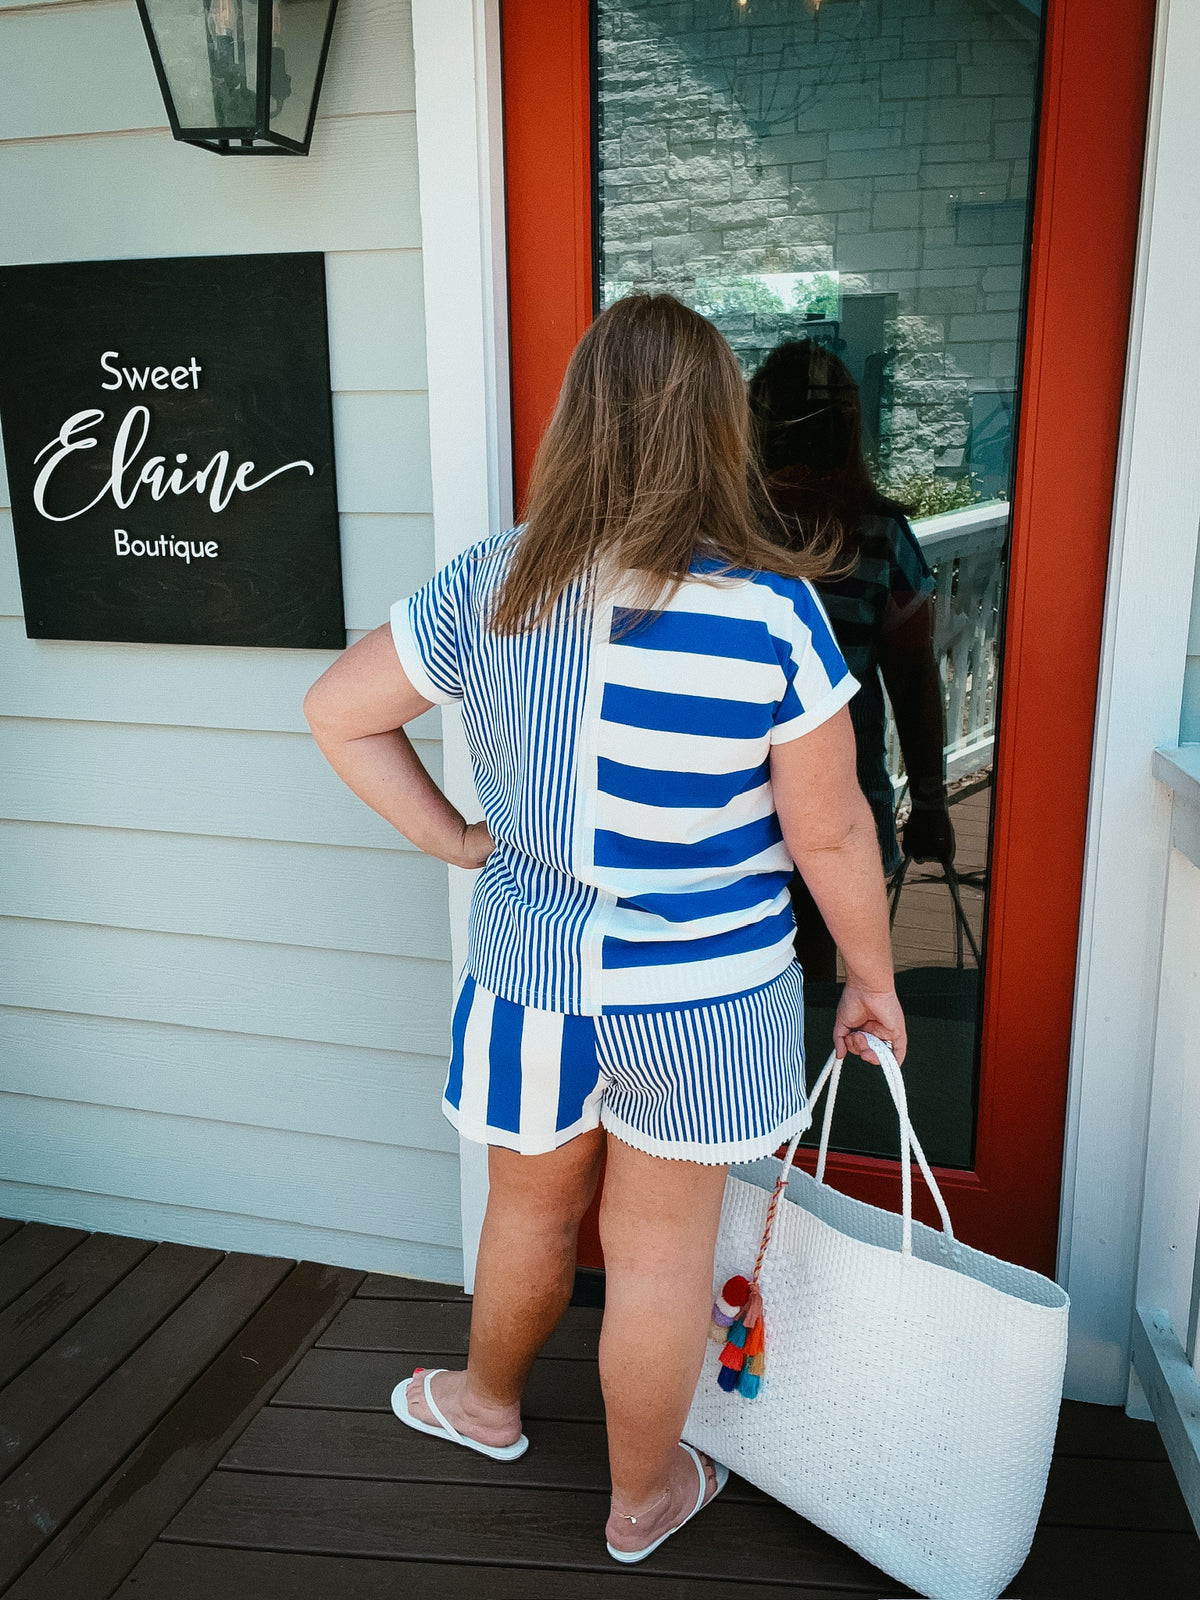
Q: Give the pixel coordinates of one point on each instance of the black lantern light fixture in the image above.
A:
(240, 77)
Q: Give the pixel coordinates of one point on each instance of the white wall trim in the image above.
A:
(1152, 558)
(460, 163)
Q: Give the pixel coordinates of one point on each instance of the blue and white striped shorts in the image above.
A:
(710, 1081)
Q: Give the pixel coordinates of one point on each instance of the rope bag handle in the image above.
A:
(910, 1148)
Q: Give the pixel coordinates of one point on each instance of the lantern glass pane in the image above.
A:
(298, 33)
(209, 52)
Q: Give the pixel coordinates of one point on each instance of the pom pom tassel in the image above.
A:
(737, 1326)
(752, 1307)
(732, 1357)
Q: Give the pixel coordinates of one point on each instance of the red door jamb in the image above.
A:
(1091, 134)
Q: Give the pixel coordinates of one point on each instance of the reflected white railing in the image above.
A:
(963, 549)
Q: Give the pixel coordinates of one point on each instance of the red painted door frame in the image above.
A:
(1089, 162)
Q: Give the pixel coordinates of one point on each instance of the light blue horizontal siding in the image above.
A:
(187, 780)
(221, 1230)
(86, 69)
(178, 685)
(337, 1091)
(351, 1186)
(224, 985)
(282, 991)
(324, 896)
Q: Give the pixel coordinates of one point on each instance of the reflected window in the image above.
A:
(848, 181)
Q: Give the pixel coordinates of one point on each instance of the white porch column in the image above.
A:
(460, 165)
(1152, 558)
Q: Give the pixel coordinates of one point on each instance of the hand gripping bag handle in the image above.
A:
(910, 1147)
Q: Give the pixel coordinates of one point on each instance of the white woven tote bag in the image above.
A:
(911, 1384)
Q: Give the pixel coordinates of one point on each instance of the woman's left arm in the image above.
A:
(357, 712)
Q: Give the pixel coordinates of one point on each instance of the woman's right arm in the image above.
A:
(830, 834)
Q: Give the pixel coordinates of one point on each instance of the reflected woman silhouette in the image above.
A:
(808, 420)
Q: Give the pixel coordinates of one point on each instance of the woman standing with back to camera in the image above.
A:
(656, 712)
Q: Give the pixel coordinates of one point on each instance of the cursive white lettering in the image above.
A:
(77, 433)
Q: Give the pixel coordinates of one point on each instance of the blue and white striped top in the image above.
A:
(639, 861)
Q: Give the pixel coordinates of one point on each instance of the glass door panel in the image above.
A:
(843, 187)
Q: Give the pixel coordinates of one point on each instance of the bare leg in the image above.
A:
(523, 1282)
(658, 1225)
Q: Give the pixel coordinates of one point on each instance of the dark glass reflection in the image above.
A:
(842, 186)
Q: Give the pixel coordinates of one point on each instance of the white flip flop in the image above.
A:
(498, 1452)
(722, 1476)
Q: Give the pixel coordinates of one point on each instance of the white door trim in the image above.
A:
(460, 162)
(1151, 562)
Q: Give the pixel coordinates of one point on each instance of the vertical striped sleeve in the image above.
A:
(427, 630)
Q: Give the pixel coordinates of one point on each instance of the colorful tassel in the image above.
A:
(731, 1356)
(737, 1326)
(752, 1308)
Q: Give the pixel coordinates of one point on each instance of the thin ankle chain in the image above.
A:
(645, 1509)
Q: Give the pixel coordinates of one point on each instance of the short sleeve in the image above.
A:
(819, 683)
(428, 632)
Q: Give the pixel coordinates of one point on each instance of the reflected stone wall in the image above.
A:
(886, 142)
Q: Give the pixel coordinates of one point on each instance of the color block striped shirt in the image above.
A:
(624, 775)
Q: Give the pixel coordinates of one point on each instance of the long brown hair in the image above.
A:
(646, 467)
(808, 422)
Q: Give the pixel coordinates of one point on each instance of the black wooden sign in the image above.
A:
(168, 435)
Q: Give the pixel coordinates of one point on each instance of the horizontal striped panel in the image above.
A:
(87, 69)
(198, 686)
(681, 825)
(329, 898)
(140, 1155)
(698, 632)
(734, 848)
(707, 676)
(356, 190)
(383, 557)
(632, 923)
(755, 889)
(695, 715)
(650, 786)
(627, 882)
(636, 988)
(337, 1091)
(186, 780)
(221, 1230)
(651, 747)
(734, 941)
(283, 991)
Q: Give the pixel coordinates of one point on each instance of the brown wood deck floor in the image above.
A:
(182, 1424)
(923, 935)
